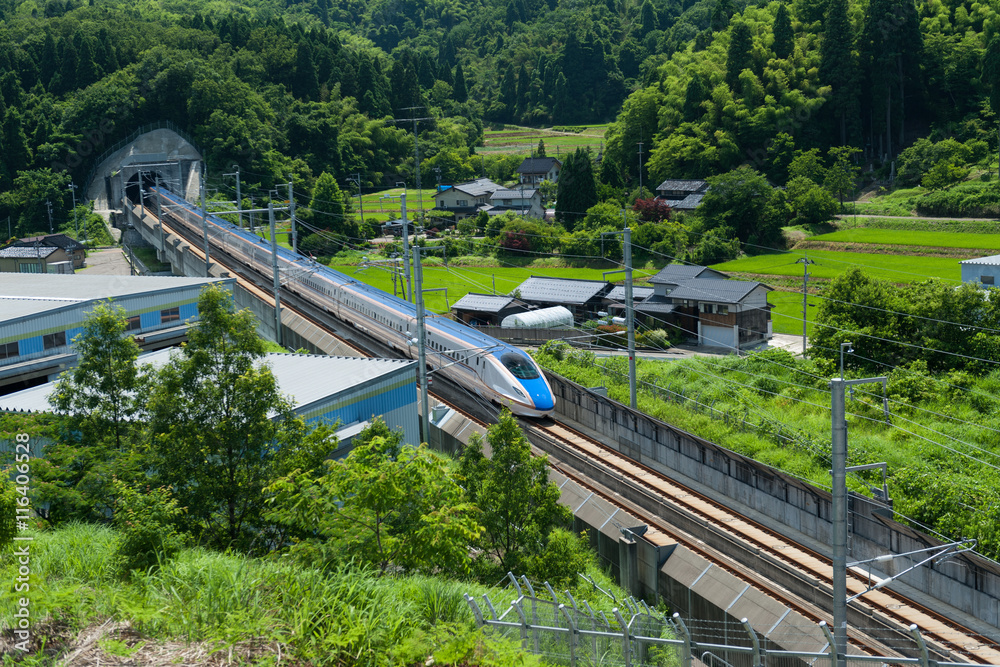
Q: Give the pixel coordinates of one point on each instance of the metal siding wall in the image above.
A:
(73, 333)
(149, 320)
(31, 345)
(189, 310)
(394, 398)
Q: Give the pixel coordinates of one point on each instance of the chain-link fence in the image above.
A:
(566, 631)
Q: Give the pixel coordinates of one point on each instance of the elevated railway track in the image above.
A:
(756, 554)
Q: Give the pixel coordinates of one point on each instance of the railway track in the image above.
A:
(765, 550)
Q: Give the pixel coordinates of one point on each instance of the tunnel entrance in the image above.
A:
(144, 179)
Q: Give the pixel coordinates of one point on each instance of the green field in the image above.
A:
(385, 204)
(459, 281)
(786, 316)
(914, 238)
(830, 264)
(525, 140)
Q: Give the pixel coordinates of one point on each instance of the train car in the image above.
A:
(485, 366)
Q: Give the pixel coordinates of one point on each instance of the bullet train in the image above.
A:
(487, 367)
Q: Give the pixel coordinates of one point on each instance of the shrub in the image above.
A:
(146, 522)
(562, 558)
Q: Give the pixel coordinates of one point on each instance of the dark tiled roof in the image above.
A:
(655, 304)
(724, 291)
(483, 303)
(618, 293)
(561, 290)
(477, 188)
(674, 274)
(513, 194)
(27, 252)
(683, 185)
(536, 165)
(689, 203)
(56, 240)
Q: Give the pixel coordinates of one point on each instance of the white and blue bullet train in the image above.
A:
(490, 368)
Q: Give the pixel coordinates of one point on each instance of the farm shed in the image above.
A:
(556, 317)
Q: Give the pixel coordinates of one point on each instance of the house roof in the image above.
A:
(57, 240)
(724, 291)
(674, 274)
(681, 185)
(689, 203)
(477, 188)
(483, 303)
(561, 290)
(618, 293)
(513, 194)
(27, 252)
(992, 260)
(655, 304)
(537, 165)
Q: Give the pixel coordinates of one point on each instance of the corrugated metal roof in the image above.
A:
(27, 252)
(618, 293)
(683, 185)
(24, 294)
(477, 188)
(513, 194)
(306, 378)
(483, 303)
(992, 260)
(725, 291)
(536, 165)
(674, 274)
(560, 290)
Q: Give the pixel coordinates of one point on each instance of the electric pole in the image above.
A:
(277, 279)
(406, 247)
(204, 223)
(76, 222)
(416, 151)
(159, 216)
(356, 178)
(805, 262)
(48, 205)
(640, 169)
(421, 345)
(239, 199)
(291, 213)
(629, 315)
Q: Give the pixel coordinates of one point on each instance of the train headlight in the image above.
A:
(519, 392)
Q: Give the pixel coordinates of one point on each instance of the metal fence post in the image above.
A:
(517, 586)
(574, 635)
(496, 617)
(686, 656)
(524, 623)
(833, 645)
(571, 600)
(475, 610)
(758, 661)
(924, 658)
(626, 641)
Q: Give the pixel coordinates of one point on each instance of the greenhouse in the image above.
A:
(556, 317)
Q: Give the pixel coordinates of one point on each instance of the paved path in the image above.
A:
(107, 262)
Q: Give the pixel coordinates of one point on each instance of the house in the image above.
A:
(38, 259)
(583, 298)
(534, 170)
(524, 202)
(73, 248)
(982, 270)
(614, 301)
(682, 195)
(465, 199)
(708, 307)
(486, 309)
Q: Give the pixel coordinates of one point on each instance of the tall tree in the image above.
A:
(838, 67)
(305, 84)
(520, 506)
(460, 92)
(738, 54)
(577, 189)
(327, 205)
(784, 36)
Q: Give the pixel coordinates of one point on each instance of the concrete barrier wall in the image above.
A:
(967, 582)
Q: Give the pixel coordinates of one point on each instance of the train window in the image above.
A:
(519, 366)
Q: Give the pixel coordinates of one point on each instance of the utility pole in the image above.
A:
(159, 217)
(416, 151)
(805, 262)
(406, 247)
(10, 232)
(48, 205)
(839, 510)
(361, 202)
(421, 346)
(291, 213)
(239, 199)
(204, 224)
(629, 315)
(76, 222)
(640, 168)
(277, 280)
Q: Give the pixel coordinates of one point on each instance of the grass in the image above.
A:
(914, 238)
(525, 140)
(148, 257)
(209, 602)
(786, 316)
(830, 264)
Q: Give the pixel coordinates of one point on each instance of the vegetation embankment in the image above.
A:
(189, 508)
(938, 440)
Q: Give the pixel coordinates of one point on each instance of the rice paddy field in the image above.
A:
(558, 140)
(831, 263)
(901, 237)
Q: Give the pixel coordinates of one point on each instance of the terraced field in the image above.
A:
(558, 141)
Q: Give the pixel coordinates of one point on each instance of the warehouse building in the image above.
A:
(349, 390)
(40, 314)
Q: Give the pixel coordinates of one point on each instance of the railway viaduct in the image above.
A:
(968, 585)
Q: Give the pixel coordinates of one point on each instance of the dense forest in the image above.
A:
(694, 89)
